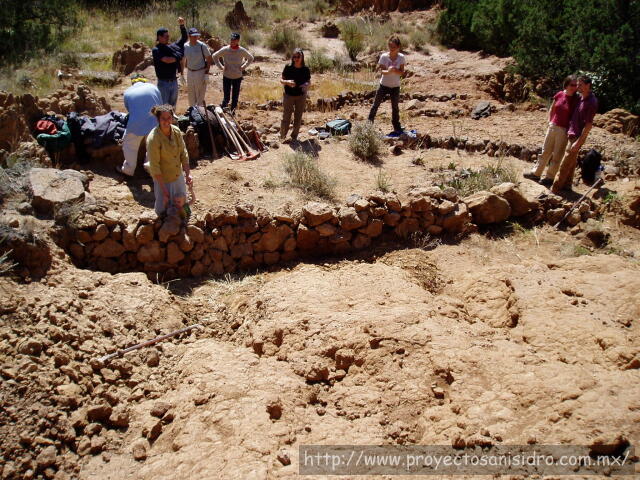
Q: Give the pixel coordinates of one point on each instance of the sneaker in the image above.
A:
(531, 176)
(546, 182)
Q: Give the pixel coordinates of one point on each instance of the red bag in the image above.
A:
(46, 126)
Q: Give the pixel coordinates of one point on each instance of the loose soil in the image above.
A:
(511, 336)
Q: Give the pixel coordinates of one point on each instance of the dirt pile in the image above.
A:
(619, 120)
(58, 402)
(132, 58)
(238, 18)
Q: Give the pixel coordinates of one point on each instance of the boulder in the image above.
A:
(487, 207)
(456, 221)
(316, 213)
(519, 204)
(619, 120)
(151, 252)
(273, 238)
(108, 249)
(170, 227)
(307, 238)
(129, 57)
(350, 219)
(481, 110)
(174, 253)
(53, 188)
(238, 19)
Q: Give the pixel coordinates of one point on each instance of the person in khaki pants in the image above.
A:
(296, 78)
(579, 128)
(555, 141)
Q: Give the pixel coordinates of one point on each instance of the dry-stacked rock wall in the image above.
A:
(246, 238)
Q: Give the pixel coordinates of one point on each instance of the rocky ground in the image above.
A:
(516, 334)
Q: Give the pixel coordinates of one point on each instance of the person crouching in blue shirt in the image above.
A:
(139, 99)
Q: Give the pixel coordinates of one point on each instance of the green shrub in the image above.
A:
(303, 172)
(468, 182)
(30, 26)
(365, 142)
(602, 38)
(353, 38)
(285, 39)
(419, 38)
(383, 181)
(318, 62)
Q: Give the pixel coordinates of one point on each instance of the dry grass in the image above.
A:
(261, 90)
(467, 182)
(365, 142)
(383, 181)
(303, 172)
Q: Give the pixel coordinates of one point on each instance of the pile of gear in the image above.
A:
(86, 134)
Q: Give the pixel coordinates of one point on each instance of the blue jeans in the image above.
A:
(169, 91)
(227, 85)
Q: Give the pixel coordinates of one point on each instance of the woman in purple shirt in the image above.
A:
(555, 141)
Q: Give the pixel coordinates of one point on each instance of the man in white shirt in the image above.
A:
(391, 65)
(197, 59)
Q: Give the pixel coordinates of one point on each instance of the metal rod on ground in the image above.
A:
(240, 129)
(148, 343)
(230, 135)
(226, 136)
(597, 182)
(214, 151)
(251, 154)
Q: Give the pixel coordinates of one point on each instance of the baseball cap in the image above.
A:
(235, 36)
(193, 32)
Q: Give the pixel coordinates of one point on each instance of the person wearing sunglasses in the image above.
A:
(555, 141)
(296, 79)
(579, 128)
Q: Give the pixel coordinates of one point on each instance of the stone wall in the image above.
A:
(247, 238)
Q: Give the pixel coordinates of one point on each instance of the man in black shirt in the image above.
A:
(166, 60)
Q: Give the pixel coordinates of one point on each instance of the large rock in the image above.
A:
(350, 219)
(238, 18)
(458, 220)
(53, 188)
(487, 207)
(129, 57)
(109, 249)
(330, 30)
(316, 213)
(273, 238)
(619, 120)
(519, 204)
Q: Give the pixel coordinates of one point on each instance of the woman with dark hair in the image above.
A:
(296, 78)
(391, 65)
(168, 163)
(555, 141)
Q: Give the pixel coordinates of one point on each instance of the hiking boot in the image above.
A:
(531, 176)
(546, 182)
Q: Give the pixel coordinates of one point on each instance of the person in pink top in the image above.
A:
(555, 141)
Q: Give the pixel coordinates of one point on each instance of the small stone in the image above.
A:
(159, 409)
(153, 359)
(200, 399)
(46, 458)
(99, 413)
(139, 449)
(97, 445)
(274, 408)
(283, 457)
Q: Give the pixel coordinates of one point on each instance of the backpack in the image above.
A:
(46, 127)
(589, 166)
(339, 126)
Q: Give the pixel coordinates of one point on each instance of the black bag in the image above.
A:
(589, 165)
(198, 120)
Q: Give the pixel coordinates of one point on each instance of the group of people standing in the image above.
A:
(570, 121)
(171, 59)
(151, 110)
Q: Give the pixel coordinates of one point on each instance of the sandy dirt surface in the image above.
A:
(511, 336)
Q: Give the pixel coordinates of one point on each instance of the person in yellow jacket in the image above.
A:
(168, 163)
